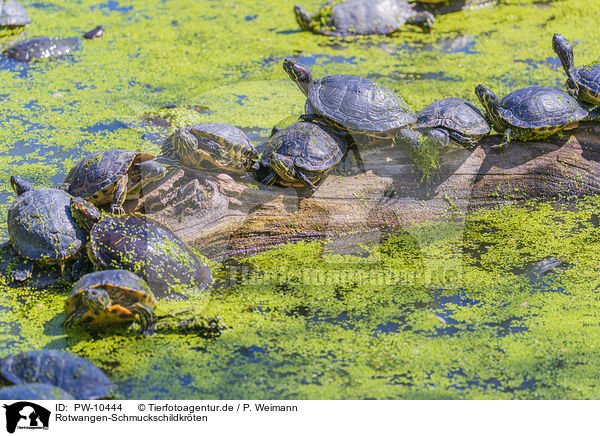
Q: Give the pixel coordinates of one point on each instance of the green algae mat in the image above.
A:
(500, 304)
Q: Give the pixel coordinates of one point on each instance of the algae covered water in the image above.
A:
(496, 304)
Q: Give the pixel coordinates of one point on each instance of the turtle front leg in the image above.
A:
(146, 317)
(425, 20)
(508, 136)
(119, 196)
(23, 270)
(73, 318)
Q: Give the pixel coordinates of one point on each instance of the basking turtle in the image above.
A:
(143, 246)
(453, 120)
(41, 227)
(531, 113)
(13, 17)
(354, 104)
(362, 17)
(41, 48)
(73, 374)
(583, 82)
(112, 176)
(209, 146)
(300, 155)
(111, 297)
(34, 391)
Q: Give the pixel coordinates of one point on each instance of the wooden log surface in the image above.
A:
(222, 216)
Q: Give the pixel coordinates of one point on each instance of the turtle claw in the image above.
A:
(22, 271)
(118, 210)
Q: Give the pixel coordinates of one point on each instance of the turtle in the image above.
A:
(583, 83)
(143, 246)
(453, 120)
(34, 391)
(111, 297)
(345, 18)
(211, 147)
(41, 228)
(13, 17)
(531, 113)
(354, 104)
(112, 176)
(41, 48)
(300, 155)
(80, 378)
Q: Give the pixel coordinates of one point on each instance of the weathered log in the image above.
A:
(221, 216)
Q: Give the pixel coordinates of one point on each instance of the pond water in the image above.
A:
(515, 311)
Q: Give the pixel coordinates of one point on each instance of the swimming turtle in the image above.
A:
(13, 17)
(453, 120)
(354, 104)
(300, 155)
(535, 112)
(583, 82)
(41, 48)
(34, 391)
(96, 33)
(71, 373)
(209, 146)
(362, 17)
(41, 227)
(112, 176)
(144, 247)
(111, 297)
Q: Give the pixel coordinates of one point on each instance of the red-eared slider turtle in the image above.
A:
(34, 391)
(13, 17)
(300, 155)
(531, 113)
(73, 374)
(112, 176)
(41, 48)
(453, 120)
(354, 104)
(362, 17)
(143, 246)
(96, 33)
(41, 227)
(583, 82)
(111, 297)
(210, 147)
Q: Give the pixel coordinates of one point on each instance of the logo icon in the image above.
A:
(26, 415)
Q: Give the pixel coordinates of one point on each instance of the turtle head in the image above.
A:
(95, 298)
(151, 171)
(85, 213)
(563, 48)
(489, 101)
(299, 73)
(20, 185)
(303, 18)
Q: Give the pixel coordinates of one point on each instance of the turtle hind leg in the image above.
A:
(146, 317)
(303, 178)
(119, 196)
(425, 20)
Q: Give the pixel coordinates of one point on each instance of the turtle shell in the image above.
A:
(588, 78)
(364, 17)
(228, 147)
(539, 107)
(34, 391)
(94, 177)
(359, 105)
(13, 14)
(308, 146)
(151, 251)
(41, 48)
(454, 114)
(41, 227)
(124, 288)
(73, 374)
